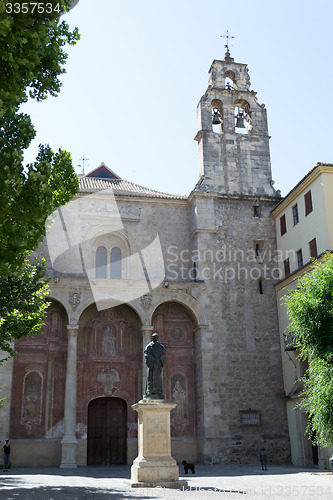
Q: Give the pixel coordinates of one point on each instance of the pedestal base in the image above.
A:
(180, 485)
(151, 473)
(68, 454)
(154, 465)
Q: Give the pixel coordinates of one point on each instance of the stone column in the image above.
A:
(68, 452)
(146, 338)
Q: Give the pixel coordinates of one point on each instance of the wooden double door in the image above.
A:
(107, 431)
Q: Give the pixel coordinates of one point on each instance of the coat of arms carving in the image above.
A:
(108, 377)
(146, 301)
(74, 299)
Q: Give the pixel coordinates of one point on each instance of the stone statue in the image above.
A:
(108, 346)
(178, 396)
(155, 358)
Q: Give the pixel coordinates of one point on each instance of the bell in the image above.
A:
(240, 121)
(216, 118)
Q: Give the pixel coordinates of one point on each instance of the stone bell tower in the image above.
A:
(232, 134)
(233, 235)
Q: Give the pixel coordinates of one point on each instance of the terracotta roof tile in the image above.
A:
(122, 187)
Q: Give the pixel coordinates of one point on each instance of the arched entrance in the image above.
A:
(39, 373)
(109, 366)
(107, 431)
(175, 327)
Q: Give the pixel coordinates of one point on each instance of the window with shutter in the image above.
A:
(286, 264)
(283, 225)
(308, 202)
(295, 214)
(313, 248)
(299, 255)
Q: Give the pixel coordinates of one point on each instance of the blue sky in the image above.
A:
(134, 80)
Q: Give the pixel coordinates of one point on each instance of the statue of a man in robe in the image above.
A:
(155, 354)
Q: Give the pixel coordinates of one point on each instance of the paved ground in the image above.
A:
(231, 482)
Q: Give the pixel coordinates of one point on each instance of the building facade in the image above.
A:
(304, 229)
(199, 270)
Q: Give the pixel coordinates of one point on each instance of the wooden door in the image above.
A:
(107, 431)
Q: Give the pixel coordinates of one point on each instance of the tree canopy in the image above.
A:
(310, 310)
(32, 58)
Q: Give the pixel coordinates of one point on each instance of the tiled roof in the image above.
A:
(319, 164)
(122, 187)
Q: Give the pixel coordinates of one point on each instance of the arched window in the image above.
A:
(116, 263)
(101, 262)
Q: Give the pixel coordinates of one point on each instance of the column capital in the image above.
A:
(147, 329)
(200, 328)
(72, 329)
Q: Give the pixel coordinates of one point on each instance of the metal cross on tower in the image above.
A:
(228, 38)
(83, 159)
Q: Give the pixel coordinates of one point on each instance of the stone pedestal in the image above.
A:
(154, 465)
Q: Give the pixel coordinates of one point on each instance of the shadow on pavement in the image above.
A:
(62, 493)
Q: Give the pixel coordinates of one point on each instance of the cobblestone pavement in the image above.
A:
(231, 482)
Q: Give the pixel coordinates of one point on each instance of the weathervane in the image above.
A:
(83, 159)
(228, 38)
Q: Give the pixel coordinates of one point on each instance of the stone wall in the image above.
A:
(241, 362)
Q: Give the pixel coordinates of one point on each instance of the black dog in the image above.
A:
(188, 467)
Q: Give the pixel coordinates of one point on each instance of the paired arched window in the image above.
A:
(115, 263)
(101, 257)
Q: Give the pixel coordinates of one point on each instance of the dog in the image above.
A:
(188, 467)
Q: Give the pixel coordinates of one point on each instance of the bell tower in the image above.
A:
(232, 134)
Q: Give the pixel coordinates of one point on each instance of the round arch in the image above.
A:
(190, 304)
(109, 354)
(91, 300)
(58, 300)
(176, 326)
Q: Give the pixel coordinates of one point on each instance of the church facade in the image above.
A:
(126, 261)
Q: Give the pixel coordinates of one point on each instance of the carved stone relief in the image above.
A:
(108, 342)
(179, 396)
(146, 300)
(108, 377)
(74, 299)
(32, 401)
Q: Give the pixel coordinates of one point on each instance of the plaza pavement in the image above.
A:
(232, 482)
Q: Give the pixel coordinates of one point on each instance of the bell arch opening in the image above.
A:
(217, 116)
(230, 80)
(243, 120)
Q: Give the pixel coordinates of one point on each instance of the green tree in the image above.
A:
(32, 58)
(22, 304)
(310, 310)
